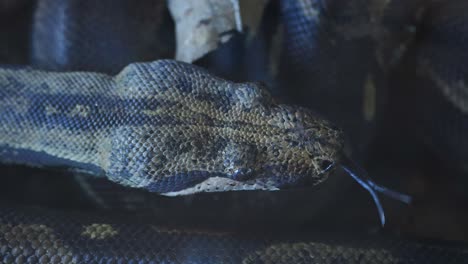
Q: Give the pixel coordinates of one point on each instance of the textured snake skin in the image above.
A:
(166, 126)
(356, 44)
(38, 236)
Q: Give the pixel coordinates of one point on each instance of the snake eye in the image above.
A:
(239, 160)
(242, 174)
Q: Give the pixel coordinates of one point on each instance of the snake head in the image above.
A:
(295, 148)
(205, 134)
(290, 147)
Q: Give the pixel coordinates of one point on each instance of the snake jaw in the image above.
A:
(223, 184)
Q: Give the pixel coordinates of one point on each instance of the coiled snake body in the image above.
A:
(173, 128)
(32, 235)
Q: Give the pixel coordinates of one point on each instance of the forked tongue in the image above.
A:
(361, 176)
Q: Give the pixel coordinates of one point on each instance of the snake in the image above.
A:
(36, 235)
(174, 129)
(165, 126)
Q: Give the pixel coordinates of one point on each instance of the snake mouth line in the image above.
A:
(221, 184)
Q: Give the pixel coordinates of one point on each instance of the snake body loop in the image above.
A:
(175, 129)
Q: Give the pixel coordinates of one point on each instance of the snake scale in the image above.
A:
(205, 134)
(32, 235)
(166, 126)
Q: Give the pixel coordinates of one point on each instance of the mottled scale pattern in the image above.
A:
(38, 235)
(166, 126)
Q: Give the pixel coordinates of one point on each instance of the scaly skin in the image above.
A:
(166, 126)
(43, 236)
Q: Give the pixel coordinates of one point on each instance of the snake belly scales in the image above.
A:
(166, 126)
